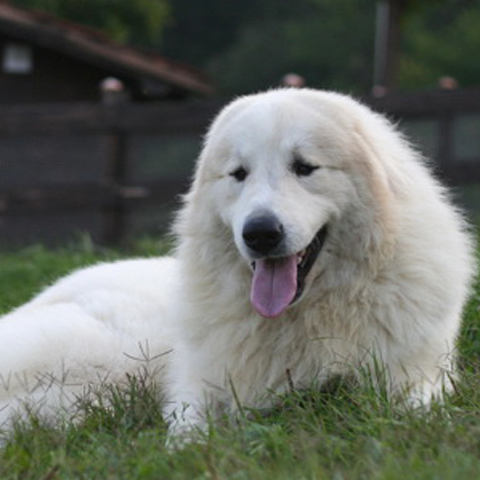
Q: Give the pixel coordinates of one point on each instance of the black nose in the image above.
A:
(263, 233)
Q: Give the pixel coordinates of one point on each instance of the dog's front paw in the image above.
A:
(186, 425)
(181, 434)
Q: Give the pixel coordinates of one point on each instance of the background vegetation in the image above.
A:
(139, 22)
(248, 45)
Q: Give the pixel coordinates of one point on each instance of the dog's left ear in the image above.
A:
(375, 135)
(381, 156)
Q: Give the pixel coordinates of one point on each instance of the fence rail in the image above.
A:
(445, 124)
(115, 170)
(81, 165)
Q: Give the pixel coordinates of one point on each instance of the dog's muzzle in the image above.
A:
(278, 279)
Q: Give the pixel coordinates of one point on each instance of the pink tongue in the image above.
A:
(274, 285)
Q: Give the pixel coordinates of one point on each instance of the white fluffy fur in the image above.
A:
(389, 283)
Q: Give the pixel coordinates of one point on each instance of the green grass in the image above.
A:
(345, 432)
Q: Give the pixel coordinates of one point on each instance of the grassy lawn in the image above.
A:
(344, 433)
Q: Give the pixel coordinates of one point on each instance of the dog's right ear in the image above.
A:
(230, 111)
(215, 151)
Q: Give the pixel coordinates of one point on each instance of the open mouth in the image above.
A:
(279, 282)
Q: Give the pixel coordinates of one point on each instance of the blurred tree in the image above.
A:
(329, 42)
(248, 45)
(441, 39)
(139, 22)
(200, 30)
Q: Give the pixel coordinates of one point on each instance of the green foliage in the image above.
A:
(328, 42)
(200, 30)
(441, 40)
(469, 345)
(250, 45)
(345, 432)
(138, 22)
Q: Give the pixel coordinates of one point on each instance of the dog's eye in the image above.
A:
(303, 169)
(240, 174)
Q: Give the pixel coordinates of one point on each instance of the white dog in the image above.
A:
(314, 241)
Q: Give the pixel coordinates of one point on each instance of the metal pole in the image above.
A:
(382, 33)
(382, 27)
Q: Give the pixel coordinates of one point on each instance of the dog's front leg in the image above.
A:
(195, 394)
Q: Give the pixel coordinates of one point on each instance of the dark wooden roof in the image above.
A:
(92, 46)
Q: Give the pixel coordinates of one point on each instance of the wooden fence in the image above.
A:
(116, 171)
(445, 125)
(111, 171)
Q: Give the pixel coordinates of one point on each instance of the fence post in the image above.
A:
(115, 215)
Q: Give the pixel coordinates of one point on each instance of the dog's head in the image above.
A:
(293, 176)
